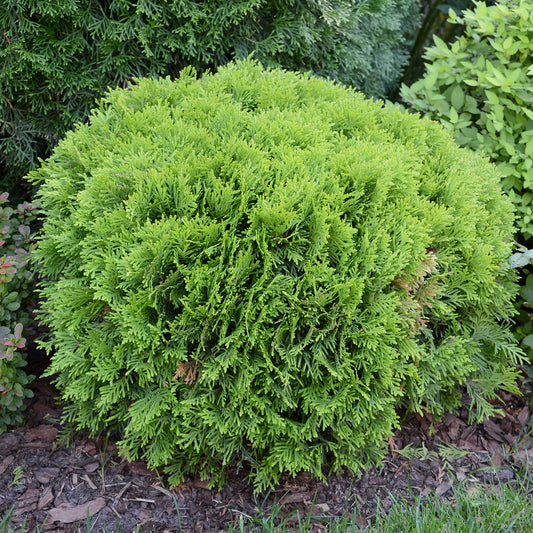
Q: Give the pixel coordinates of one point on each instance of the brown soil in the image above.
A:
(53, 486)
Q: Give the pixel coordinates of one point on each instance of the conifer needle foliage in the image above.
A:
(260, 268)
(57, 57)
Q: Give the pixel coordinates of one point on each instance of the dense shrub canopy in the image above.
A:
(260, 267)
(57, 57)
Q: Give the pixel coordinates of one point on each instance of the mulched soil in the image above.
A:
(52, 486)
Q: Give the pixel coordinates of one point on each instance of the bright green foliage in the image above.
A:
(16, 243)
(481, 87)
(57, 57)
(260, 267)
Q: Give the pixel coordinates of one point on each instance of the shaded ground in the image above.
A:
(54, 485)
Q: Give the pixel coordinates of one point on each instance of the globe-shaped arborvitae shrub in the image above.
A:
(261, 268)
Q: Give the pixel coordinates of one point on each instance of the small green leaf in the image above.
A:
(441, 45)
(494, 81)
(519, 260)
(492, 97)
(507, 43)
(431, 79)
(18, 330)
(458, 97)
(528, 341)
(454, 117)
(527, 293)
(509, 148)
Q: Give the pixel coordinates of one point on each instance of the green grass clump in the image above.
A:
(471, 507)
(479, 512)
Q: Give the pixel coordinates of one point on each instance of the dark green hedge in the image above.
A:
(57, 57)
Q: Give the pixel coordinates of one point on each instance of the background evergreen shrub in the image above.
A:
(261, 267)
(57, 57)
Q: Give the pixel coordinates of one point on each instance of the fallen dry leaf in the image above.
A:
(89, 447)
(25, 509)
(44, 432)
(297, 497)
(510, 439)
(46, 474)
(468, 432)
(91, 467)
(323, 507)
(39, 444)
(27, 502)
(5, 463)
(67, 514)
(304, 477)
(496, 451)
(45, 409)
(46, 498)
(30, 495)
(443, 488)
(361, 521)
(453, 429)
(469, 446)
(523, 414)
(8, 441)
(523, 455)
(44, 387)
(493, 430)
(139, 469)
(504, 475)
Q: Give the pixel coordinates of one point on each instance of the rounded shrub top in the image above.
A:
(261, 267)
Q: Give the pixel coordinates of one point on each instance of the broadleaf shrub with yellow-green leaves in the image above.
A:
(481, 87)
(260, 268)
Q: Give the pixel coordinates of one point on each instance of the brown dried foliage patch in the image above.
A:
(421, 290)
(187, 370)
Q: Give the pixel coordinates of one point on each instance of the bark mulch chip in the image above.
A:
(55, 487)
